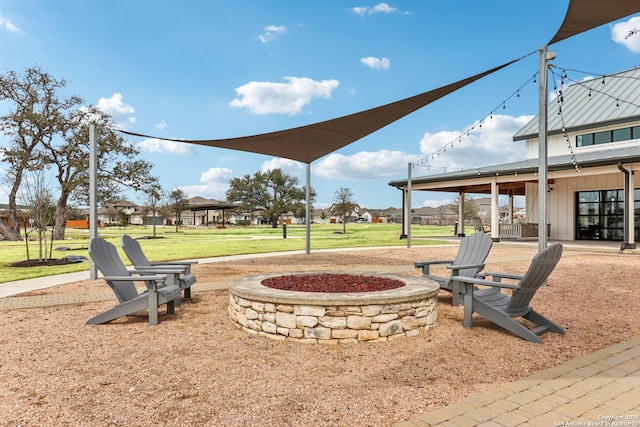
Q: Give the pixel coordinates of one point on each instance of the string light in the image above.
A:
(563, 76)
(467, 132)
(588, 85)
(560, 99)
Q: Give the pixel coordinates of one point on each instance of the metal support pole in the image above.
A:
(461, 214)
(93, 203)
(495, 213)
(542, 146)
(307, 223)
(409, 205)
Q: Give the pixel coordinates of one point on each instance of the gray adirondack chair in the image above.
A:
(501, 308)
(469, 261)
(160, 289)
(134, 252)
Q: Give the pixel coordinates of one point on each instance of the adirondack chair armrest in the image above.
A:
(476, 281)
(166, 269)
(176, 263)
(458, 267)
(498, 276)
(152, 282)
(186, 265)
(146, 270)
(424, 265)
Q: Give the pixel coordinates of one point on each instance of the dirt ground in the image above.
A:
(196, 368)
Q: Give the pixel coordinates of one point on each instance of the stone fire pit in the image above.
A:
(338, 317)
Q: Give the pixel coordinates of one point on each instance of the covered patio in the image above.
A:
(613, 167)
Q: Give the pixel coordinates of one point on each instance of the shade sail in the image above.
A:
(583, 15)
(310, 142)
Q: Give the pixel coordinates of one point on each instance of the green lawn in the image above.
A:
(190, 243)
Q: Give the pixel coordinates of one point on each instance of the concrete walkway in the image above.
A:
(602, 388)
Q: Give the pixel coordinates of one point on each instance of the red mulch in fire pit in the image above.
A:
(331, 283)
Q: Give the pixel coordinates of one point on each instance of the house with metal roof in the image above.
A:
(593, 147)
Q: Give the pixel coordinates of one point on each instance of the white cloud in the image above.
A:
(376, 63)
(213, 184)
(10, 26)
(161, 125)
(271, 32)
(627, 33)
(379, 8)
(489, 144)
(363, 165)
(282, 98)
(114, 105)
(288, 166)
(153, 145)
(121, 112)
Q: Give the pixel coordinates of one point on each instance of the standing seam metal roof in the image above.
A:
(600, 101)
(556, 163)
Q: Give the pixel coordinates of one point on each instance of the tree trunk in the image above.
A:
(9, 234)
(60, 218)
(12, 232)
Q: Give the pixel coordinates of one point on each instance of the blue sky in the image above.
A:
(219, 69)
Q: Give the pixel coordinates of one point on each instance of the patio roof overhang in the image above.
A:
(513, 177)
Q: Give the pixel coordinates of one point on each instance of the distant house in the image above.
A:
(120, 213)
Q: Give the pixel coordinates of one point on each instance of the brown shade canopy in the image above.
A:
(583, 15)
(310, 142)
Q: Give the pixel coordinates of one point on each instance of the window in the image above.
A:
(584, 140)
(604, 137)
(621, 134)
(600, 215)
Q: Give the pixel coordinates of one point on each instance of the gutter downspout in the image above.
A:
(628, 207)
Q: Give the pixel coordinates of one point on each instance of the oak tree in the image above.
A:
(272, 192)
(36, 115)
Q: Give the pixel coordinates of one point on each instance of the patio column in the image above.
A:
(406, 214)
(628, 241)
(461, 214)
(495, 213)
(630, 208)
(511, 208)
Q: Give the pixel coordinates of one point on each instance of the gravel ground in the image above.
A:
(196, 368)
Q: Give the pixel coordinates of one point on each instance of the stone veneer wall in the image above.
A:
(334, 324)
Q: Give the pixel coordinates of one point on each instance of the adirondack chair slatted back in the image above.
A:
(474, 249)
(541, 267)
(106, 257)
(477, 224)
(134, 251)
